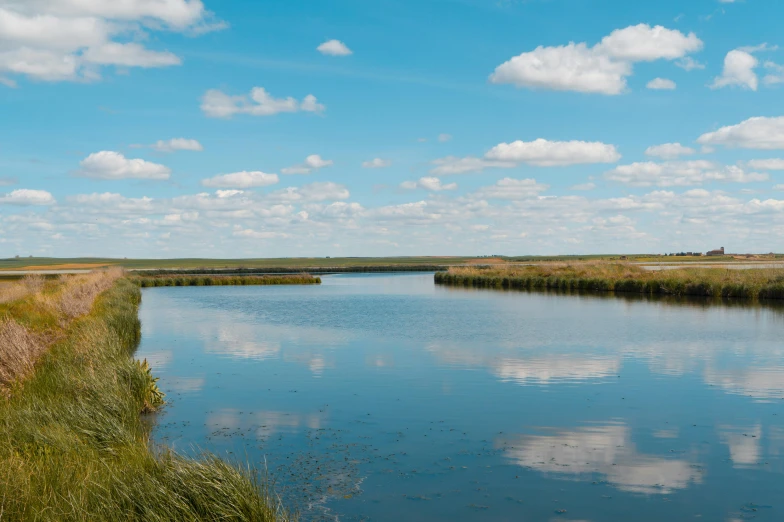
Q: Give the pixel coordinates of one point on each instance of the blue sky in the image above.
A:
(169, 128)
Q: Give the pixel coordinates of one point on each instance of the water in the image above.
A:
(386, 398)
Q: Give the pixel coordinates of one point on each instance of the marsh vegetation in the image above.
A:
(73, 443)
(623, 278)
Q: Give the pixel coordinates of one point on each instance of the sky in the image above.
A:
(288, 128)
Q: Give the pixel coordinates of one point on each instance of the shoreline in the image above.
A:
(72, 427)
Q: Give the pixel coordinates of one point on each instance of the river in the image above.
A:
(384, 397)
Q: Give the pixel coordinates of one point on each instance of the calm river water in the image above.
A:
(386, 398)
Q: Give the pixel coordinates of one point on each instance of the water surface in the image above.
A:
(386, 398)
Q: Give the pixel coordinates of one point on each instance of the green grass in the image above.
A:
(224, 280)
(73, 445)
(624, 278)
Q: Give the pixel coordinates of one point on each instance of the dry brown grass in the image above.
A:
(19, 349)
(57, 303)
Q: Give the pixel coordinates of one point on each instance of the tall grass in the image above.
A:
(624, 278)
(73, 446)
(215, 280)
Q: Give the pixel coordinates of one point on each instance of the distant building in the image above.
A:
(719, 252)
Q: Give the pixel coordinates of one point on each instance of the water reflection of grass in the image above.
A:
(73, 445)
(623, 278)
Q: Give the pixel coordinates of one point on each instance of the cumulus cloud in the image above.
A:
(175, 144)
(766, 164)
(240, 180)
(28, 197)
(661, 84)
(669, 151)
(546, 153)
(738, 71)
(56, 40)
(113, 165)
(540, 152)
(443, 138)
(680, 173)
(334, 48)
(601, 69)
(376, 163)
(755, 133)
(428, 183)
(217, 104)
(573, 67)
(311, 163)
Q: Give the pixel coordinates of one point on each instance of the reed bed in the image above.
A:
(216, 280)
(292, 270)
(624, 278)
(73, 445)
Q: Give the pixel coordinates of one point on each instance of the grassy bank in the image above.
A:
(73, 445)
(224, 280)
(624, 278)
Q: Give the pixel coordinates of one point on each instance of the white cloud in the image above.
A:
(334, 48)
(28, 197)
(177, 144)
(311, 163)
(113, 165)
(443, 138)
(602, 68)
(376, 163)
(56, 40)
(572, 67)
(661, 84)
(428, 183)
(738, 71)
(511, 189)
(669, 151)
(767, 164)
(755, 133)
(241, 180)
(546, 153)
(217, 104)
(680, 173)
(643, 43)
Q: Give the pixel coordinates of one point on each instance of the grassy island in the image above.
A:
(623, 278)
(73, 444)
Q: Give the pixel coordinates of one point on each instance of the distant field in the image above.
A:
(33, 263)
(45, 263)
